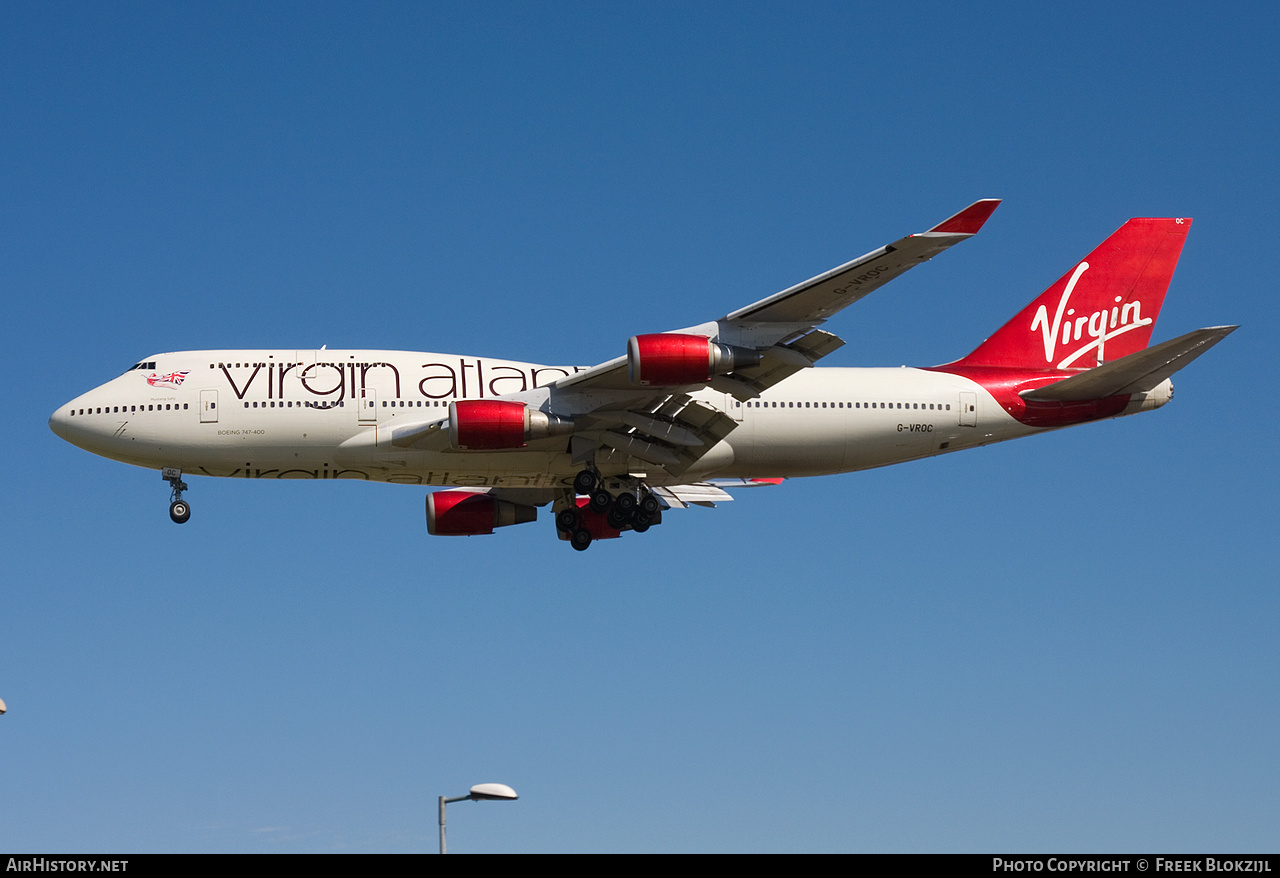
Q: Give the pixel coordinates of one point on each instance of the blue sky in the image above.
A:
(1063, 643)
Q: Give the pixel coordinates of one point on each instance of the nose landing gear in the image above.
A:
(179, 509)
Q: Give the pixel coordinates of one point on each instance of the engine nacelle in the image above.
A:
(469, 513)
(500, 423)
(669, 359)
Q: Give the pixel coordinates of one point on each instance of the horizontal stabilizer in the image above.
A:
(1136, 373)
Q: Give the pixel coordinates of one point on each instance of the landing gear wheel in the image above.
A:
(179, 511)
(625, 503)
(567, 520)
(617, 518)
(650, 505)
(640, 526)
(580, 539)
(601, 500)
(584, 482)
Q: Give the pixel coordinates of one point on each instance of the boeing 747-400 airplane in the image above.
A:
(680, 418)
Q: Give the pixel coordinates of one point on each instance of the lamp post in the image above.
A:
(499, 792)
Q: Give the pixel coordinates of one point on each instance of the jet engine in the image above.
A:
(669, 359)
(471, 513)
(500, 423)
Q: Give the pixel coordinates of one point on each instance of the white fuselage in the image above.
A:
(329, 414)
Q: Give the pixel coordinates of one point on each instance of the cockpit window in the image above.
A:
(150, 365)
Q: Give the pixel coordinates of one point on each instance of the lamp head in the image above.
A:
(497, 791)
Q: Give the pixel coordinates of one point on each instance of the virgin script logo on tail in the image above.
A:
(173, 379)
(1101, 325)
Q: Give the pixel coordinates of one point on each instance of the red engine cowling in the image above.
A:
(595, 523)
(469, 513)
(500, 423)
(669, 359)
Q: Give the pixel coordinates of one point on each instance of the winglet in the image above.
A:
(969, 220)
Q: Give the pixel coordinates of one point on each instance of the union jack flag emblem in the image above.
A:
(173, 379)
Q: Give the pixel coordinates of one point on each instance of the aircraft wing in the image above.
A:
(813, 301)
(619, 408)
(782, 328)
(667, 431)
(644, 410)
(707, 493)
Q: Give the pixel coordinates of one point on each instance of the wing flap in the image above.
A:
(635, 446)
(672, 432)
(700, 494)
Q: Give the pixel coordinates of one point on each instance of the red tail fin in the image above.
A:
(1102, 309)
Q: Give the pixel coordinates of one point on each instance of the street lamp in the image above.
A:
(499, 792)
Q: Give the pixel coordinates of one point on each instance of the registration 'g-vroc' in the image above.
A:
(678, 419)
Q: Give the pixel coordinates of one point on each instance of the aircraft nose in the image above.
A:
(58, 422)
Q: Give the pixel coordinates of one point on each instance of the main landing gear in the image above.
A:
(604, 514)
(179, 509)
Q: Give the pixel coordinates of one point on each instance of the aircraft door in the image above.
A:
(968, 409)
(732, 407)
(368, 405)
(208, 406)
